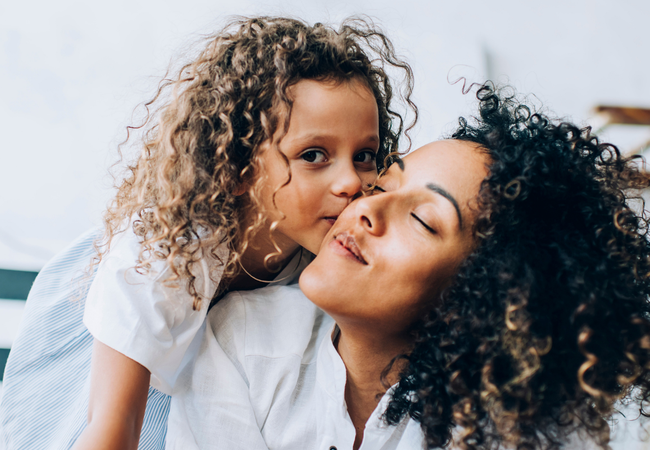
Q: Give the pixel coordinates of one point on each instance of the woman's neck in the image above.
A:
(366, 355)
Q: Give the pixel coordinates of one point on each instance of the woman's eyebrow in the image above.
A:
(437, 189)
(393, 159)
(390, 160)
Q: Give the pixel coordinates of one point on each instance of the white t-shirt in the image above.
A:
(265, 374)
(146, 320)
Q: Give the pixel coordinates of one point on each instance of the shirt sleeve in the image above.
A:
(142, 317)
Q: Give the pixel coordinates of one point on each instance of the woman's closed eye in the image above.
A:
(314, 156)
(428, 227)
(373, 189)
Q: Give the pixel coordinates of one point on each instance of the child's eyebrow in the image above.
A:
(317, 136)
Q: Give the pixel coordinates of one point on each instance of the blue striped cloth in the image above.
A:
(46, 382)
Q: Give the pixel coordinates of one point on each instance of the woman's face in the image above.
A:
(390, 253)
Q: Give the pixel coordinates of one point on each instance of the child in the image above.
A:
(266, 137)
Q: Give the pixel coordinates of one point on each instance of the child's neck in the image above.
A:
(253, 267)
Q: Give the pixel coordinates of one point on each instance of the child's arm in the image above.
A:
(118, 397)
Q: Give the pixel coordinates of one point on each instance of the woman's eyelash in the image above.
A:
(424, 224)
(373, 187)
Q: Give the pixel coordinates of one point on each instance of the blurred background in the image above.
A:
(73, 72)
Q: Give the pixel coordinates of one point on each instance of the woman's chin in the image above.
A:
(311, 282)
(323, 287)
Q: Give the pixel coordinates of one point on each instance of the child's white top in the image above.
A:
(140, 316)
(266, 375)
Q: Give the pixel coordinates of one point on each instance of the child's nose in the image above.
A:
(347, 183)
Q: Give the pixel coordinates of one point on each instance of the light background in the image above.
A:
(72, 73)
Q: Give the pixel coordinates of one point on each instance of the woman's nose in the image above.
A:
(371, 214)
(347, 182)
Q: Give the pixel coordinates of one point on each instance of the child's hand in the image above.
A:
(118, 397)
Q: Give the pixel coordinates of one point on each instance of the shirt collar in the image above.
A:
(331, 377)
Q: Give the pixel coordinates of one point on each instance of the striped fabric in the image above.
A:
(44, 401)
(14, 288)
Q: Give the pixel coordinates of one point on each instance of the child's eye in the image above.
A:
(314, 156)
(365, 157)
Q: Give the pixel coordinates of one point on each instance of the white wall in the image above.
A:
(71, 73)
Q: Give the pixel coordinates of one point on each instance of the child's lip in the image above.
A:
(330, 219)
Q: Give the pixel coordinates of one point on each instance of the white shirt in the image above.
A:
(147, 320)
(265, 374)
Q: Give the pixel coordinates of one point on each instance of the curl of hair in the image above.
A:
(547, 323)
(201, 140)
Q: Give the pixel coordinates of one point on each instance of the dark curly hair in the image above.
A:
(546, 325)
(201, 141)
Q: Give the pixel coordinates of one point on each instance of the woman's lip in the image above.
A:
(345, 245)
(339, 249)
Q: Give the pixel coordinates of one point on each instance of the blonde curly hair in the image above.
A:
(207, 122)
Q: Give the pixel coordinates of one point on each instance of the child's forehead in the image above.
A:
(315, 95)
(318, 100)
(355, 84)
(333, 116)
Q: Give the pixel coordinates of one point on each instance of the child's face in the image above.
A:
(331, 144)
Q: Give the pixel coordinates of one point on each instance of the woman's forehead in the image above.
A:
(447, 159)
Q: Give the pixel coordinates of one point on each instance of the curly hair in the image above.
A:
(546, 325)
(201, 143)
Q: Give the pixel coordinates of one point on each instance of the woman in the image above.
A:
(498, 281)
